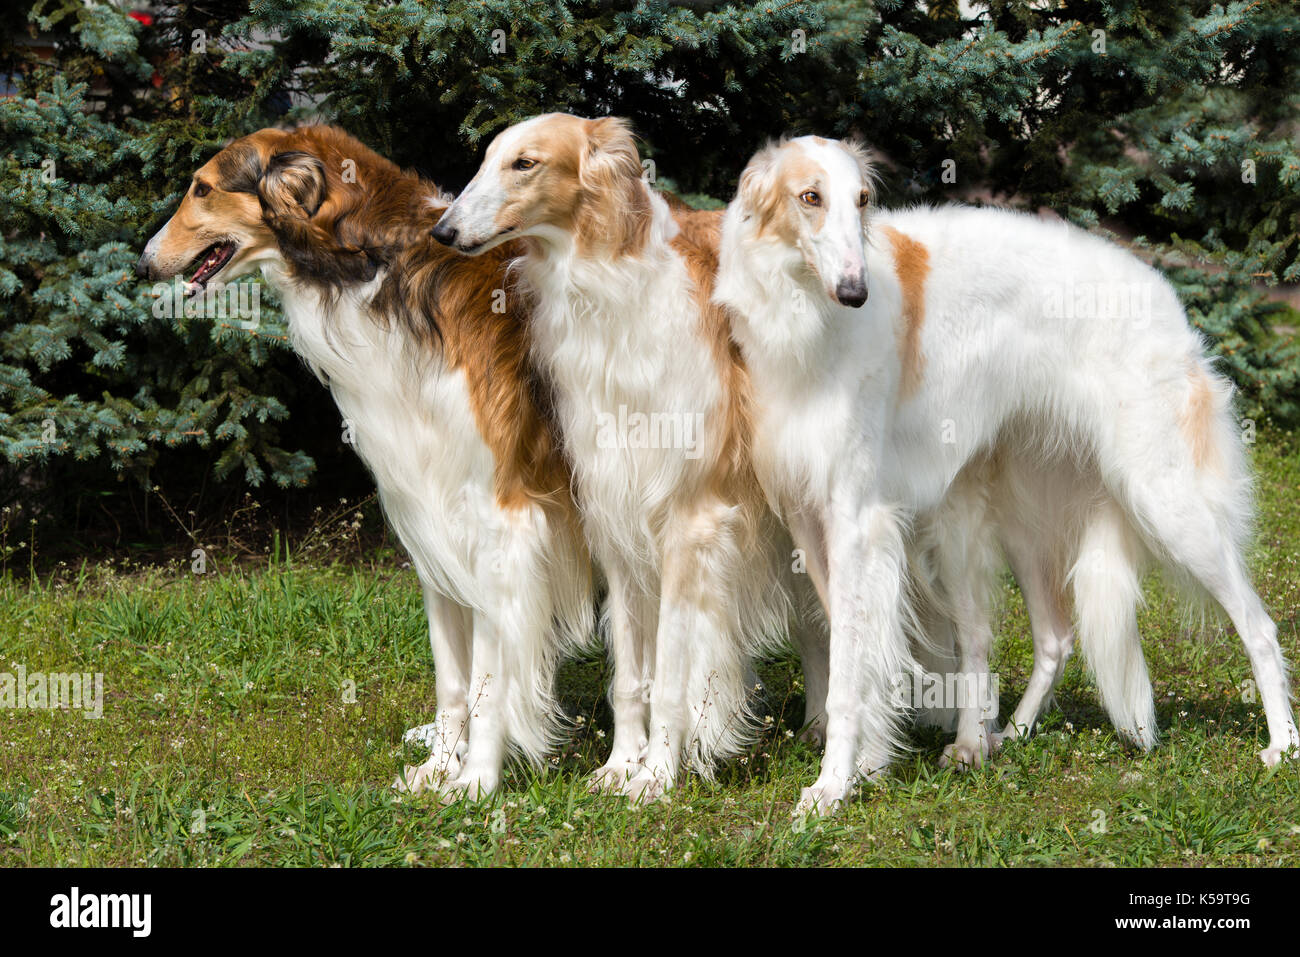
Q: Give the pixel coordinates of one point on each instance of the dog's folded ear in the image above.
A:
(610, 155)
(615, 210)
(293, 185)
(757, 192)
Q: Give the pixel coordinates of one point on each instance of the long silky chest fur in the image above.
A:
(616, 369)
(410, 419)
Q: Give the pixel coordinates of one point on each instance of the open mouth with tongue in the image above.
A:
(210, 262)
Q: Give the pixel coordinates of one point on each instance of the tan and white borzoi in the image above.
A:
(623, 324)
(891, 351)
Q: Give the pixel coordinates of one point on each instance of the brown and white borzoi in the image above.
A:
(424, 352)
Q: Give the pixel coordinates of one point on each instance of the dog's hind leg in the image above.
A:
(1049, 621)
(1187, 533)
(1181, 478)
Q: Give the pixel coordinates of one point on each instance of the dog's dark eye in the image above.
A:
(862, 199)
(809, 198)
(523, 163)
(202, 189)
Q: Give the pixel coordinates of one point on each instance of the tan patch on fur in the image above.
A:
(1197, 419)
(774, 202)
(912, 266)
(697, 241)
(615, 213)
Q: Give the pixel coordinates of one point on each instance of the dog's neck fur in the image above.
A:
(781, 313)
(638, 332)
(779, 307)
(423, 306)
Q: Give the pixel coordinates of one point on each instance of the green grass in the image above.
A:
(227, 739)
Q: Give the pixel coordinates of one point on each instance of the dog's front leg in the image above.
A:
(489, 688)
(448, 736)
(699, 695)
(869, 652)
(810, 634)
(632, 625)
(679, 626)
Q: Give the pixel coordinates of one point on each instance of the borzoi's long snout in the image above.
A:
(842, 258)
(469, 225)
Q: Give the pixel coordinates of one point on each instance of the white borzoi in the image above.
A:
(432, 378)
(984, 330)
(623, 325)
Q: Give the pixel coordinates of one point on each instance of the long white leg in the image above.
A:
(448, 735)
(971, 683)
(1177, 510)
(1259, 634)
(681, 626)
(810, 634)
(489, 688)
(869, 653)
(1218, 567)
(631, 635)
(700, 680)
(1193, 540)
(966, 561)
(1049, 622)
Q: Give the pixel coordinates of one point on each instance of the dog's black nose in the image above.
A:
(445, 234)
(142, 267)
(851, 292)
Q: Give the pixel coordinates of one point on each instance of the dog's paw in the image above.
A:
(472, 785)
(1272, 757)
(820, 799)
(999, 738)
(612, 776)
(962, 756)
(645, 787)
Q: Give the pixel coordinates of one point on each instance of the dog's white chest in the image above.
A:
(637, 391)
(411, 420)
